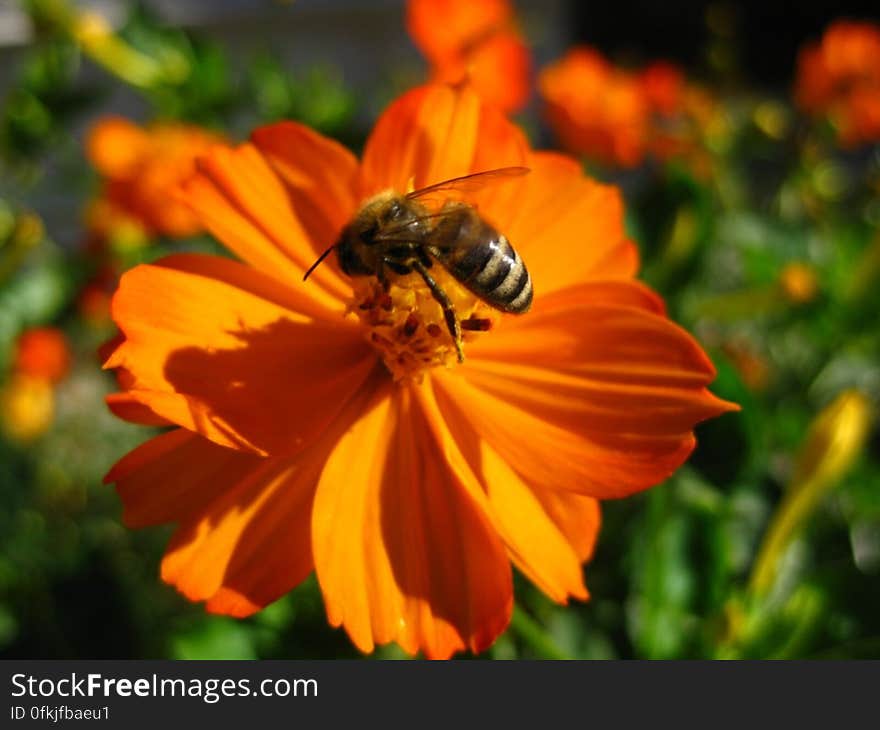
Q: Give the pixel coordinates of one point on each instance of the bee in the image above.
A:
(399, 233)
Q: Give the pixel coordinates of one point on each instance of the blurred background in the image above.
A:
(745, 140)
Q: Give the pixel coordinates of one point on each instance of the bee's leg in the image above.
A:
(446, 303)
(382, 276)
(396, 266)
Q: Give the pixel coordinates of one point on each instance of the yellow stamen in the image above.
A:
(407, 325)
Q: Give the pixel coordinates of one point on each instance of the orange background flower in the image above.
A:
(140, 168)
(595, 108)
(619, 117)
(840, 77)
(294, 448)
(41, 359)
(42, 352)
(664, 86)
(474, 40)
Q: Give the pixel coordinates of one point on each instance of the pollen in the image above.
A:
(407, 326)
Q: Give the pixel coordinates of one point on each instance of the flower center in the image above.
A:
(407, 324)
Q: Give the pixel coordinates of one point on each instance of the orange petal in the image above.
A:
(537, 545)
(598, 396)
(500, 70)
(244, 536)
(240, 200)
(445, 28)
(612, 292)
(577, 516)
(404, 550)
(130, 408)
(568, 228)
(320, 176)
(114, 146)
(434, 133)
(175, 475)
(252, 543)
(211, 346)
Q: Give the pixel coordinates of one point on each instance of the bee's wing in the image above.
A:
(398, 234)
(468, 183)
(433, 196)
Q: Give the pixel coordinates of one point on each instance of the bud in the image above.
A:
(834, 441)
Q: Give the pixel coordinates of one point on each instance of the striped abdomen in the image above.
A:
(483, 260)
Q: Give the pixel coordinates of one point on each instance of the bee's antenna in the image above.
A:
(320, 259)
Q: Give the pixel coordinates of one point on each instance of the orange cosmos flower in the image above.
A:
(42, 352)
(326, 425)
(596, 109)
(474, 40)
(664, 87)
(140, 166)
(27, 401)
(619, 117)
(840, 78)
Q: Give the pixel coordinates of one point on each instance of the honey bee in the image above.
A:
(400, 233)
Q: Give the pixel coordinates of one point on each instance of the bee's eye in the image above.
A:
(395, 211)
(368, 234)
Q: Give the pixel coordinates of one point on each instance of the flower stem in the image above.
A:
(97, 40)
(527, 629)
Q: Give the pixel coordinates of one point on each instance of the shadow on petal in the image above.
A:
(276, 392)
(444, 552)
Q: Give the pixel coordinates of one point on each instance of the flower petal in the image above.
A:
(577, 516)
(251, 544)
(591, 393)
(130, 408)
(114, 146)
(219, 349)
(501, 70)
(568, 228)
(434, 133)
(528, 524)
(244, 535)
(175, 475)
(403, 548)
(240, 200)
(320, 176)
(443, 29)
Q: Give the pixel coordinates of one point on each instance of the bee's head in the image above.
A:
(357, 247)
(383, 212)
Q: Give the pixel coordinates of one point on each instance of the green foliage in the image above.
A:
(194, 82)
(46, 98)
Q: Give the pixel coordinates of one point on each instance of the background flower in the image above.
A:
(27, 402)
(477, 41)
(595, 109)
(620, 118)
(139, 169)
(839, 77)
